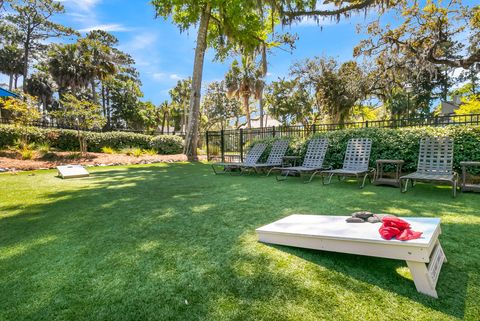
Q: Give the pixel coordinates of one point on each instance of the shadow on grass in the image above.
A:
(176, 242)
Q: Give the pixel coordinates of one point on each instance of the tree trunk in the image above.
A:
(26, 52)
(261, 104)
(191, 136)
(10, 83)
(246, 107)
(163, 122)
(16, 81)
(94, 94)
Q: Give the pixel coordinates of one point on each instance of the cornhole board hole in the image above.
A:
(72, 171)
(424, 256)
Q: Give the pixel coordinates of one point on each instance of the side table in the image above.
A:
(379, 179)
(466, 187)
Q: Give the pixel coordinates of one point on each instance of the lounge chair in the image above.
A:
(357, 157)
(313, 161)
(275, 158)
(435, 164)
(252, 158)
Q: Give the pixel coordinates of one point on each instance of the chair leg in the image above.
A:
(404, 182)
(329, 179)
(364, 179)
(312, 176)
(284, 177)
(454, 189)
(270, 170)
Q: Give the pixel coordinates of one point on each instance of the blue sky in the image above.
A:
(164, 55)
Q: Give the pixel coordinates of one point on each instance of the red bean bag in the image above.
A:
(398, 228)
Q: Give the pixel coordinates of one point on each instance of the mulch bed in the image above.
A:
(11, 161)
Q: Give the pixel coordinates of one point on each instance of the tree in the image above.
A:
(33, 19)
(41, 85)
(289, 102)
(165, 109)
(97, 46)
(217, 107)
(244, 81)
(69, 67)
(81, 115)
(180, 96)
(225, 24)
(11, 64)
(123, 96)
(22, 112)
(440, 33)
(470, 105)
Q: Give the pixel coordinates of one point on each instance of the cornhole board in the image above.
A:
(72, 171)
(424, 256)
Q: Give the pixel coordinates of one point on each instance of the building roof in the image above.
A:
(6, 93)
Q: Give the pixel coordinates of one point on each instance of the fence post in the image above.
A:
(314, 128)
(241, 145)
(273, 131)
(366, 124)
(206, 142)
(222, 144)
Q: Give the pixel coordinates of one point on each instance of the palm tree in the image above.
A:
(102, 61)
(69, 67)
(41, 85)
(164, 110)
(244, 81)
(11, 64)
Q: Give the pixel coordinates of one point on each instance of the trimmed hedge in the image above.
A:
(66, 139)
(401, 143)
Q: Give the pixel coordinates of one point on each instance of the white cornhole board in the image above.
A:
(72, 171)
(424, 256)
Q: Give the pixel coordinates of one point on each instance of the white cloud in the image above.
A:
(139, 42)
(112, 27)
(176, 77)
(82, 5)
(166, 77)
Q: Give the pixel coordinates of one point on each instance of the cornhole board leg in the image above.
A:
(425, 276)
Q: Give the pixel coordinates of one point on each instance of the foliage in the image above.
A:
(180, 96)
(132, 151)
(401, 143)
(108, 150)
(33, 19)
(167, 144)
(289, 102)
(81, 115)
(470, 105)
(218, 108)
(244, 80)
(21, 111)
(67, 140)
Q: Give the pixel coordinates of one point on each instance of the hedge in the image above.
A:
(401, 143)
(66, 139)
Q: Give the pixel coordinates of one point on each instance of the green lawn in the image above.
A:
(174, 242)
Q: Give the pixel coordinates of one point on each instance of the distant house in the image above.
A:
(267, 122)
(449, 107)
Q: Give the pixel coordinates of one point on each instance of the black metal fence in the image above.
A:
(229, 145)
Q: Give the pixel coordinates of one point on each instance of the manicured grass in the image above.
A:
(174, 242)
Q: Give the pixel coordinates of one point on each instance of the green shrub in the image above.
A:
(43, 148)
(27, 153)
(150, 152)
(108, 150)
(167, 144)
(401, 143)
(66, 139)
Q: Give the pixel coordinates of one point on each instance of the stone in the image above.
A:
(363, 214)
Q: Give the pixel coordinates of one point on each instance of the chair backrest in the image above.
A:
(316, 150)
(357, 155)
(435, 156)
(254, 154)
(279, 149)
